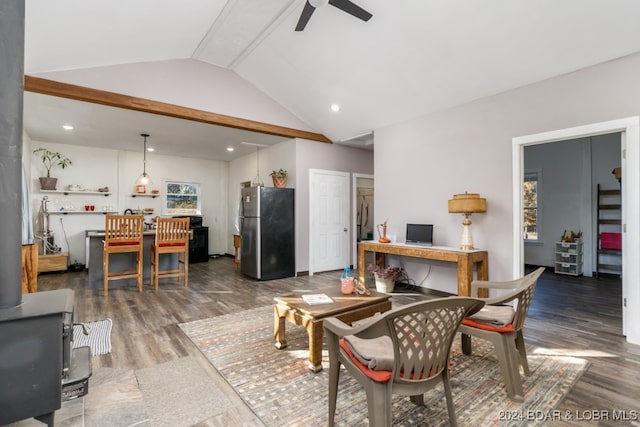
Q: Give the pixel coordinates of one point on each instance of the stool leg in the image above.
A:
(152, 265)
(105, 272)
(139, 266)
(185, 260)
(156, 267)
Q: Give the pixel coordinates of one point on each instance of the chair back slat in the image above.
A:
(525, 297)
(422, 337)
(123, 228)
(172, 231)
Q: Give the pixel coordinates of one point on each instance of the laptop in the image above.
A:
(420, 234)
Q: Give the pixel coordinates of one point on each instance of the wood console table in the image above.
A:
(464, 259)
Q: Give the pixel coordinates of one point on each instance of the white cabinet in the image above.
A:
(568, 258)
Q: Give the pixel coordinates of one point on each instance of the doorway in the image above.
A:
(362, 224)
(561, 180)
(630, 162)
(328, 220)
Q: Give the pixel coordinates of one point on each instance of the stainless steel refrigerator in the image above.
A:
(267, 228)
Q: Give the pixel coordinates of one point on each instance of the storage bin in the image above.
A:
(567, 257)
(566, 268)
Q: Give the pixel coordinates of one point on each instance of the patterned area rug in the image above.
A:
(280, 389)
(96, 335)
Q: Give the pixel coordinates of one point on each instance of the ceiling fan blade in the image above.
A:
(351, 8)
(305, 16)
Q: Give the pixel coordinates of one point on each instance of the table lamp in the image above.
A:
(466, 204)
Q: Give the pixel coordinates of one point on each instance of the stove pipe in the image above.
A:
(11, 94)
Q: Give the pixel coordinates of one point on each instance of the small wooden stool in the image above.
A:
(236, 246)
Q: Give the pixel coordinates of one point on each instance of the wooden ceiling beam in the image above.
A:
(112, 99)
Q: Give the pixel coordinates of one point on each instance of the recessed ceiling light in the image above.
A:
(230, 149)
(150, 149)
(335, 108)
(67, 127)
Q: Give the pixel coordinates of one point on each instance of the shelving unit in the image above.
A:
(568, 258)
(609, 232)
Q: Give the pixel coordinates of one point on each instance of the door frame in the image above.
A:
(630, 186)
(354, 214)
(312, 201)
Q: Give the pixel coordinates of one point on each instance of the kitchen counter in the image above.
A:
(121, 262)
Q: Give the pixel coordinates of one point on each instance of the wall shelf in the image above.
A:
(81, 212)
(86, 193)
(153, 196)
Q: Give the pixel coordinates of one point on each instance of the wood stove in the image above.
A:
(38, 367)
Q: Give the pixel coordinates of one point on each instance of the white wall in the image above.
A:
(468, 148)
(297, 157)
(245, 169)
(93, 168)
(312, 155)
(185, 82)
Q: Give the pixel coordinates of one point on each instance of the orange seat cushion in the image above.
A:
(377, 376)
(124, 243)
(167, 244)
(487, 327)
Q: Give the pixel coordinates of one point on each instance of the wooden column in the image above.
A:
(29, 268)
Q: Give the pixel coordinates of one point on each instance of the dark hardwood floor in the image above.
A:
(577, 316)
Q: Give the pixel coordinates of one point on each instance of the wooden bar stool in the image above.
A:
(122, 234)
(172, 237)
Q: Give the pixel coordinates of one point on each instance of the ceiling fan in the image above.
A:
(344, 5)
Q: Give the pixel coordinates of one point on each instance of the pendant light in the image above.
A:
(144, 178)
(257, 181)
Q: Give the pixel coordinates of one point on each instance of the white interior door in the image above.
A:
(329, 220)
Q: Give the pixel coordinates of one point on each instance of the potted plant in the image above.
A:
(385, 277)
(49, 160)
(279, 178)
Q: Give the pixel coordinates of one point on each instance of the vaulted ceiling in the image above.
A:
(412, 58)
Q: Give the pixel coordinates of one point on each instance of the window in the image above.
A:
(531, 196)
(182, 198)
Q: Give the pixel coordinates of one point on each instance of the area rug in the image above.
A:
(279, 388)
(96, 335)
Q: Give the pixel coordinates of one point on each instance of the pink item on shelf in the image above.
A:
(611, 241)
